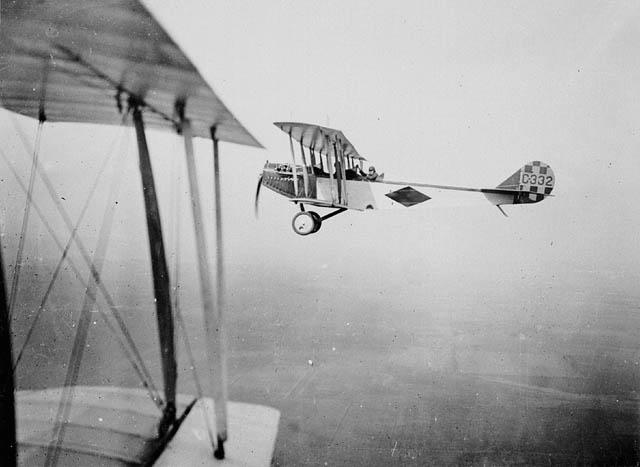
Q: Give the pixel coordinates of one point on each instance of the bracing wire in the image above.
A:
(114, 311)
(80, 245)
(77, 351)
(39, 211)
(146, 383)
(13, 292)
(58, 268)
(142, 372)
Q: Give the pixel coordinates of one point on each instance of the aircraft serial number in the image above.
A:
(533, 179)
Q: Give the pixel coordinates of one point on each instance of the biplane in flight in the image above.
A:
(109, 62)
(332, 176)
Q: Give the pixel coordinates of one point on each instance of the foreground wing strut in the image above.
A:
(161, 285)
(220, 382)
(209, 309)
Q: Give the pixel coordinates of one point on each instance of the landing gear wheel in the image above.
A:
(304, 223)
(317, 220)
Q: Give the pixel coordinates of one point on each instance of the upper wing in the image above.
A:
(80, 60)
(318, 138)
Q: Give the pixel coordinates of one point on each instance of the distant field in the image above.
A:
(437, 383)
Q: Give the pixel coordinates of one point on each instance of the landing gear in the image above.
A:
(306, 222)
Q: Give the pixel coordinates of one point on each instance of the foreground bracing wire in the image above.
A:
(94, 284)
(17, 266)
(75, 360)
(61, 261)
(132, 355)
(130, 349)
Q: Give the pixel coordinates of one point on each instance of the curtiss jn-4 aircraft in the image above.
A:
(331, 176)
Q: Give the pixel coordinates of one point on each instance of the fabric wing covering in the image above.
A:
(66, 60)
(315, 137)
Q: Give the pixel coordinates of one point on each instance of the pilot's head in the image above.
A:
(372, 169)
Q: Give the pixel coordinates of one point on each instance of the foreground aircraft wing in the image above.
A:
(79, 60)
(318, 138)
(91, 61)
(120, 422)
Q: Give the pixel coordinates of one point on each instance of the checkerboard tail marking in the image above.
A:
(531, 184)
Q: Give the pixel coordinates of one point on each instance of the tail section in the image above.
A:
(530, 184)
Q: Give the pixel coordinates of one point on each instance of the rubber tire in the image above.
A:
(317, 220)
(308, 225)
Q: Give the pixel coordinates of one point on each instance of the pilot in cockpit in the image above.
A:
(372, 175)
(361, 173)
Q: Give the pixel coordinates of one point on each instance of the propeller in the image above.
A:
(255, 206)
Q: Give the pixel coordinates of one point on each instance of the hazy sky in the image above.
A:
(444, 92)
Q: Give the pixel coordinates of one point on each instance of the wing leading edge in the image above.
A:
(318, 138)
(80, 60)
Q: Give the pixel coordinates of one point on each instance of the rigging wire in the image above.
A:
(142, 373)
(41, 215)
(85, 255)
(84, 320)
(111, 304)
(146, 381)
(13, 292)
(58, 268)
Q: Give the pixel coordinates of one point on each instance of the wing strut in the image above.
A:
(330, 170)
(338, 167)
(294, 171)
(161, 285)
(312, 156)
(305, 175)
(343, 174)
(221, 381)
(209, 309)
